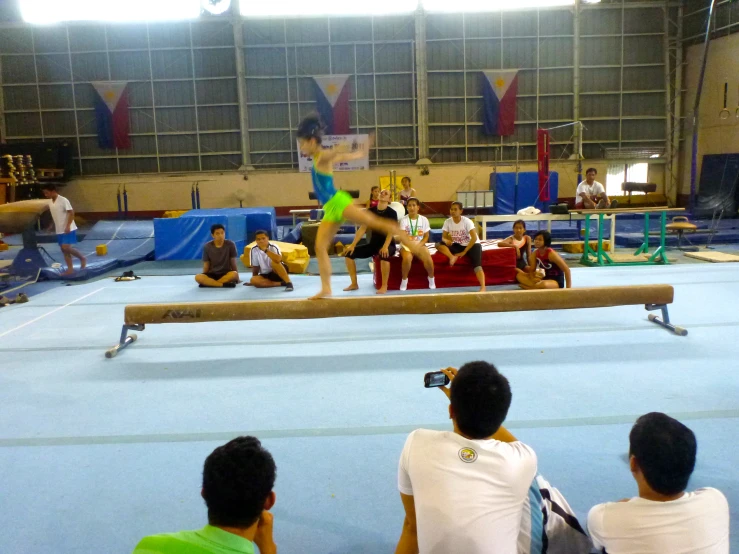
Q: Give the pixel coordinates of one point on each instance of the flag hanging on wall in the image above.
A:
(332, 103)
(499, 91)
(111, 114)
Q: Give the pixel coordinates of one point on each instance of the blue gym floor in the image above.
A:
(96, 453)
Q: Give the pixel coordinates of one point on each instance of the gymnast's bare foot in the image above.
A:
(482, 289)
(323, 293)
(351, 287)
(381, 290)
(68, 272)
(453, 260)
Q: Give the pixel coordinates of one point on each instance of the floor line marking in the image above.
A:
(341, 432)
(49, 313)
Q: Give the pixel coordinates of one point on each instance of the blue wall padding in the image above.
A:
(504, 186)
(182, 238)
(256, 218)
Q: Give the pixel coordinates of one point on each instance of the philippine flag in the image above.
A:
(332, 102)
(499, 91)
(111, 114)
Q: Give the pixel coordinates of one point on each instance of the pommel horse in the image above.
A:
(653, 297)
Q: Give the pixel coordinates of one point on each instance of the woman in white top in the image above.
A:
(417, 227)
(521, 242)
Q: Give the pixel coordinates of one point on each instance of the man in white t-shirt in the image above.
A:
(464, 491)
(591, 195)
(459, 238)
(268, 269)
(65, 227)
(417, 227)
(663, 518)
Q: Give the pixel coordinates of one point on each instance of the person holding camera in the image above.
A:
(464, 490)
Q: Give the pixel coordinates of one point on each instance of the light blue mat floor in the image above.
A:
(96, 453)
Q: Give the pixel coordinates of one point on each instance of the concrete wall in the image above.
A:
(715, 136)
(286, 190)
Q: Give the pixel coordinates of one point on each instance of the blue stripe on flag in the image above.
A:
(490, 108)
(104, 123)
(325, 110)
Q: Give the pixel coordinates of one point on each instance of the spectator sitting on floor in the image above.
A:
(521, 242)
(418, 228)
(463, 491)
(219, 261)
(591, 195)
(268, 269)
(459, 238)
(238, 478)
(663, 518)
(384, 245)
(547, 269)
(473, 490)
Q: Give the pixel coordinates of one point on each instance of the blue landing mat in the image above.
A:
(123, 250)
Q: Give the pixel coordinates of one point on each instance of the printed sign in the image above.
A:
(348, 143)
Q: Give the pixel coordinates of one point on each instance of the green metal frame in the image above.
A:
(603, 259)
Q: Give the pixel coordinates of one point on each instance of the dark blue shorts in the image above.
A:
(67, 238)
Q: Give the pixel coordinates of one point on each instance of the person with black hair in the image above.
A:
(464, 490)
(268, 269)
(459, 238)
(63, 223)
(663, 518)
(219, 261)
(238, 479)
(521, 242)
(547, 269)
(591, 195)
(337, 205)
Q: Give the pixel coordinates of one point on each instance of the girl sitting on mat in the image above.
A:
(337, 205)
(374, 198)
(547, 269)
(521, 242)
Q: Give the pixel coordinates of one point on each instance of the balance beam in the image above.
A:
(653, 297)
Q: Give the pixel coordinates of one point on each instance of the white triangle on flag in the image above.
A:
(110, 92)
(331, 86)
(500, 80)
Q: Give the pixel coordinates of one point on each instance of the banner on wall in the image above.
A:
(348, 143)
(332, 102)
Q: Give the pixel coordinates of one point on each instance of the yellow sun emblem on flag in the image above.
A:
(109, 95)
(500, 82)
(331, 88)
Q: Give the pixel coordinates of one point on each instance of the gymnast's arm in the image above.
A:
(557, 259)
(357, 237)
(425, 238)
(446, 238)
(408, 543)
(506, 242)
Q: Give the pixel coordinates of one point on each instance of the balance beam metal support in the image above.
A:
(125, 340)
(653, 297)
(665, 321)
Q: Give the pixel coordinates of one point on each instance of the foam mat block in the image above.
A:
(578, 247)
(716, 257)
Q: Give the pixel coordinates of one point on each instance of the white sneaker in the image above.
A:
(404, 284)
(432, 283)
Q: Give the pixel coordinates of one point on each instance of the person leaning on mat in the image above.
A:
(238, 479)
(547, 269)
(219, 261)
(66, 230)
(268, 269)
(663, 517)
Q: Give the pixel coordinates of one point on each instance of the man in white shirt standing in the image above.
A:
(65, 227)
(463, 491)
(417, 227)
(663, 518)
(459, 238)
(591, 195)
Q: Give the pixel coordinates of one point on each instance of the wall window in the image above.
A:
(623, 173)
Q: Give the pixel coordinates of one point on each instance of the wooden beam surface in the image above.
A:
(438, 303)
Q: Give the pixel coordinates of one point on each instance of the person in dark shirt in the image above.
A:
(219, 261)
(384, 245)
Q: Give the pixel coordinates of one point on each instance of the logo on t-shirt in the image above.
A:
(467, 455)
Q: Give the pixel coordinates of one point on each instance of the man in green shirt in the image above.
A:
(238, 478)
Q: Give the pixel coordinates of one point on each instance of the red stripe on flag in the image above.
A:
(121, 138)
(341, 112)
(507, 109)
